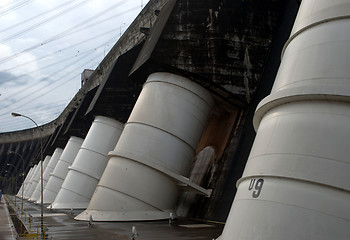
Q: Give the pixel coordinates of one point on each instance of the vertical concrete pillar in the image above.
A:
(25, 182)
(30, 182)
(35, 181)
(49, 169)
(61, 169)
(296, 184)
(157, 144)
(88, 165)
(36, 191)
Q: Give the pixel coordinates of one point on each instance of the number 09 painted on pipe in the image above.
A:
(256, 186)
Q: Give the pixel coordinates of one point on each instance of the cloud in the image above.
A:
(40, 81)
(14, 67)
(4, 77)
(10, 79)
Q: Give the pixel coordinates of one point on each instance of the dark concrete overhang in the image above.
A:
(223, 45)
(117, 94)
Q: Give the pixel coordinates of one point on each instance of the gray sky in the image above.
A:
(44, 47)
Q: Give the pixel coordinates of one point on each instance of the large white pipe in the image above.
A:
(36, 192)
(296, 184)
(34, 181)
(19, 194)
(157, 144)
(36, 178)
(60, 172)
(30, 182)
(89, 164)
(25, 182)
(49, 169)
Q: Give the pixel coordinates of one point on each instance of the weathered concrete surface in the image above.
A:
(221, 44)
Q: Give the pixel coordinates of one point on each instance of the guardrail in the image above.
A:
(23, 222)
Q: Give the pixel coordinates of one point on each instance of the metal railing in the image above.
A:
(30, 231)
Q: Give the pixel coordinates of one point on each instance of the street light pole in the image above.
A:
(41, 173)
(11, 152)
(9, 164)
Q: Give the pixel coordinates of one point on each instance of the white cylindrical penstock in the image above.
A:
(158, 141)
(61, 169)
(24, 184)
(36, 192)
(296, 184)
(89, 164)
(49, 169)
(27, 189)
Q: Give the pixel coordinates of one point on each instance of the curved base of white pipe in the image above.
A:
(49, 197)
(32, 200)
(69, 200)
(68, 205)
(125, 216)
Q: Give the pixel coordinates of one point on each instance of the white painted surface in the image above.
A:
(25, 182)
(36, 192)
(50, 167)
(162, 132)
(296, 184)
(89, 164)
(26, 193)
(61, 169)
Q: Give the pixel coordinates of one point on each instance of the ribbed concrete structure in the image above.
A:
(296, 184)
(26, 193)
(29, 178)
(154, 151)
(89, 164)
(25, 182)
(61, 169)
(50, 167)
(36, 194)
(36, 178)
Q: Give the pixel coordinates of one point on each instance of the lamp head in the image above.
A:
(16, 114)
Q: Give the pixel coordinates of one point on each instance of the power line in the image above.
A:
(32, 102)
(53, 64)
(63, 49)
(61, 35)
(23, 31)
(11, 27)
(57, 107)
(51, 86)
(10, 4)
(14, 7)
(34, 85)
(50, 65)
(37, 90)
